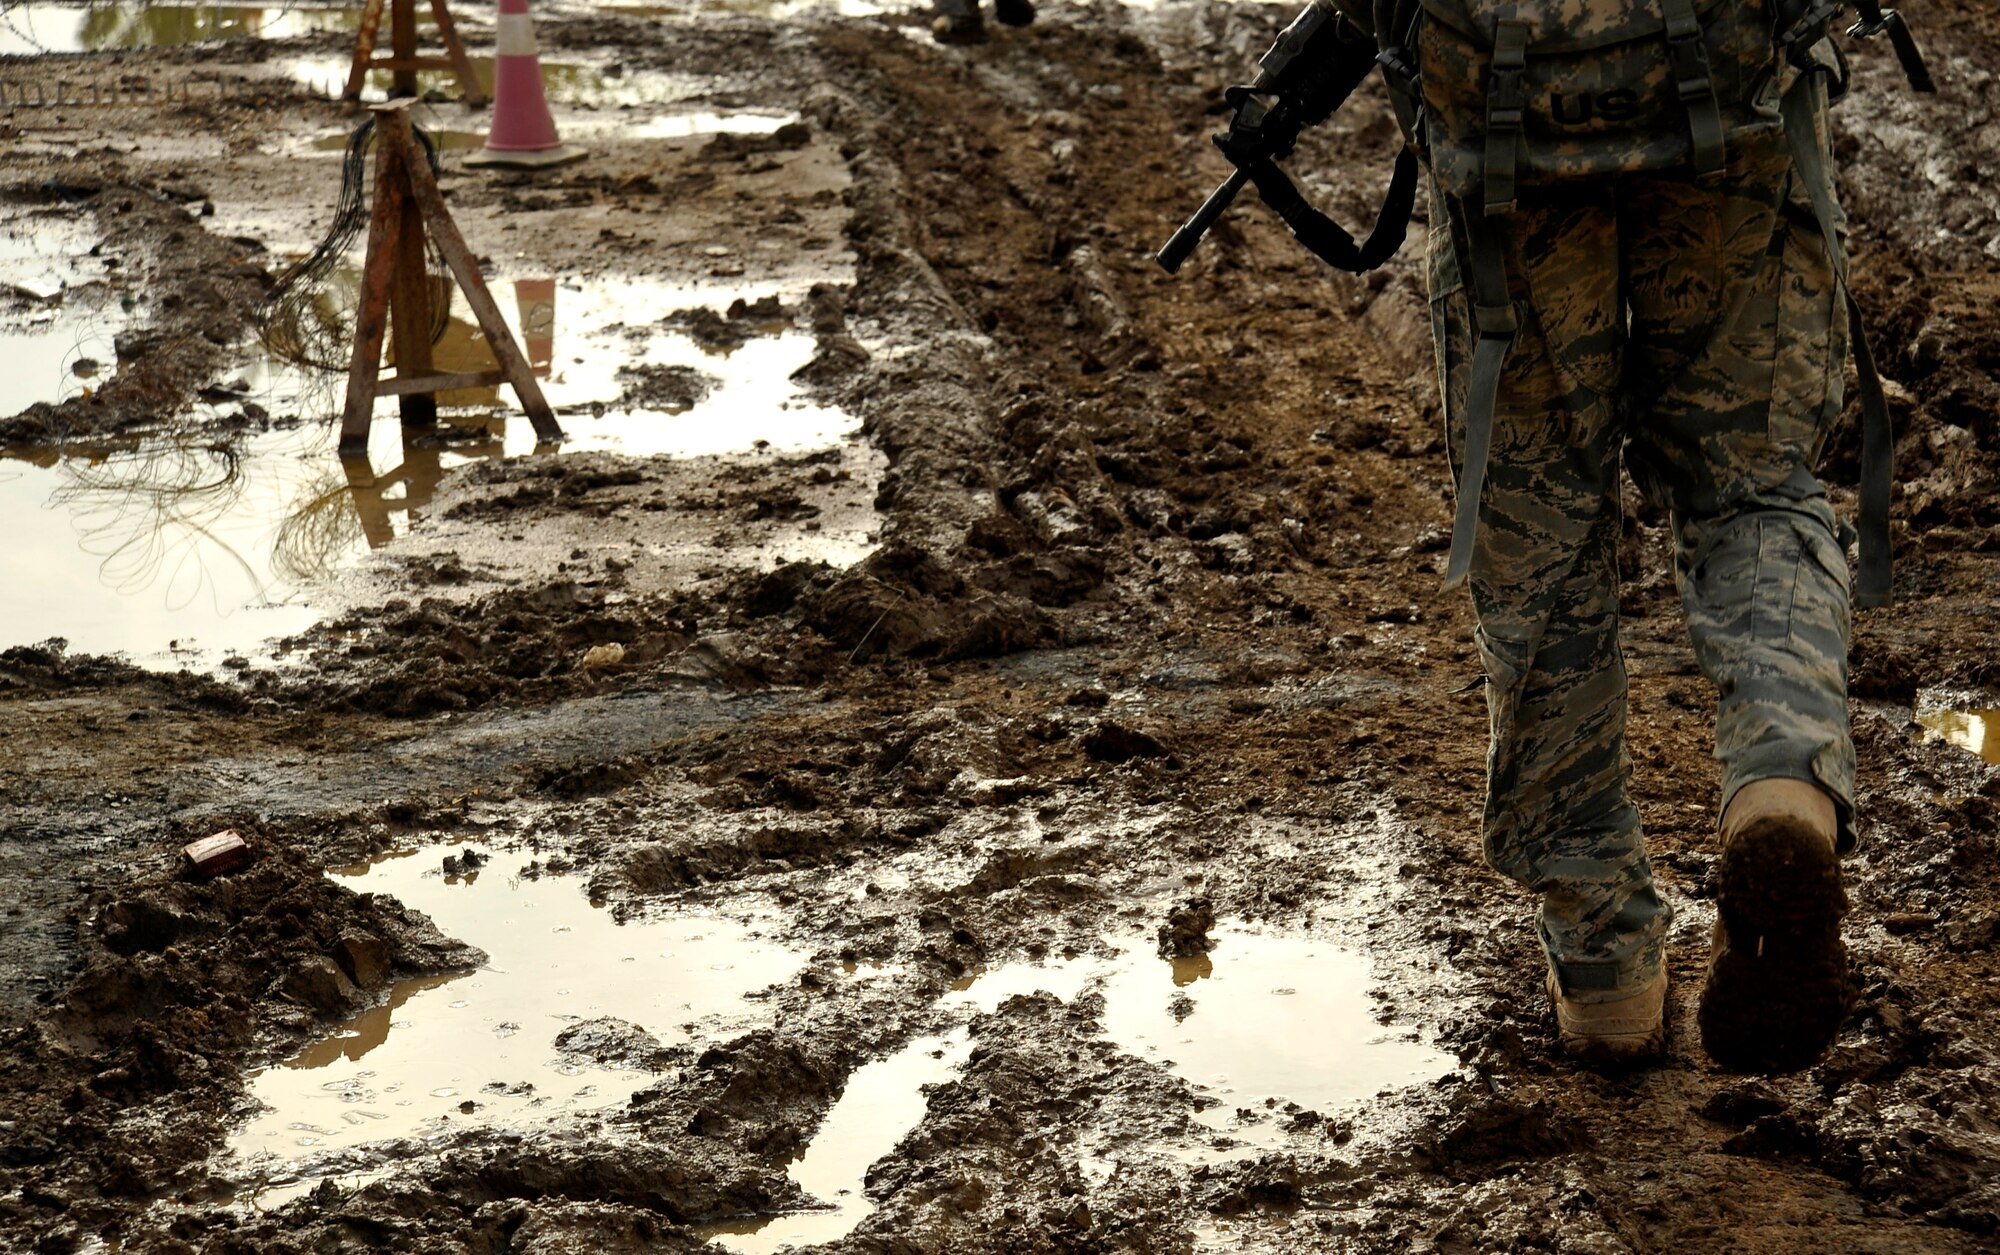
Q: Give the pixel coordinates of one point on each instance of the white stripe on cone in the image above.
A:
(516, 36)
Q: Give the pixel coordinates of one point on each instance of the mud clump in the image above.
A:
(1185, 934)
(730, 146)
(439, 655)
(50, 668)
(1485, 1129)
(178, 980)
(674, 389)
(544, 483)
(612, 1042)
(743, 322)
(903, 602)
(579, 778)
(1110, 741)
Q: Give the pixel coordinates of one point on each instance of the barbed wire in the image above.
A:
(306, 318)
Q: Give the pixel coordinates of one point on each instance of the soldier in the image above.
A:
(1688, 317)
(959, 22)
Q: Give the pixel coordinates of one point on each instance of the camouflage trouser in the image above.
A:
(1694, 326)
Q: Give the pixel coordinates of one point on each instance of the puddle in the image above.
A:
(587, 340)
(60, 309)
(41, 29)
(660, 126)
(685, 125)
(479, 1050)
(1266, 1017)
(34, 29)
(174, 550)
(568, 83)
(1263, 1022)
(1976, 729)
(986, 990)
(761, 8)
(181, 549)
(883, 1101)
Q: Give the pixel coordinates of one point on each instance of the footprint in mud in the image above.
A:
(1266, 1019)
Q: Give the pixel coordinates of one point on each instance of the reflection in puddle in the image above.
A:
(61, 304)
(173, 542)
(1977, 730)
(202, 544)
(29, 29)
(1265, 1020)
(187, 547)
(659, 126)
(595, 343)
(1265, 1017)
(688, 125)
(567, 83)
(774, 9)
(479, 1050)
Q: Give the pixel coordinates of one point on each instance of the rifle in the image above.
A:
(1310, 71)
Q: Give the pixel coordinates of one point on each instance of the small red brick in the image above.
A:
(216, 855)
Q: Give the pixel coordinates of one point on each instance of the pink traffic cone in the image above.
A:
(523, 134)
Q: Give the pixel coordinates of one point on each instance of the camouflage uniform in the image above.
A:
(1694, 325)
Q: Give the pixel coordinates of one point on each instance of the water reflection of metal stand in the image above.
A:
(419, 475)
(403, 60)
(407, 205)
(421, 471)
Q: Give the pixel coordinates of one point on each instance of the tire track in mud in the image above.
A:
(1775, 1160)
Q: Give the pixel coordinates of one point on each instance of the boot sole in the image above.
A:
(1778, 986)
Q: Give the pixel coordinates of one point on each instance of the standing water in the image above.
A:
(1976, 729)
(560, 1021)
(1268, 1018)
(185, 547)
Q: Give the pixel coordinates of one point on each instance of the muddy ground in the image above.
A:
(1150, 615)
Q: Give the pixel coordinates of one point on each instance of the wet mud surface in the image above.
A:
(1065, 745)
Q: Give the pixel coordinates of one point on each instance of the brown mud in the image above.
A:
(1137, 633)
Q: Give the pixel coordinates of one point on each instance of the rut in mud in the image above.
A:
(1132, 643)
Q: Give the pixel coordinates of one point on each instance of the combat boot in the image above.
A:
(959, 28)
(1777, 986)
(1013, 12)
(1627, 1030)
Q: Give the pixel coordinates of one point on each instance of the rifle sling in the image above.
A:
(1874, 21)
(1327, 239)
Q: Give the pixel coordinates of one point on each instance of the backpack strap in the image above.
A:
(1495, 321)
(1689, 57)
(1878, 434)
(1395, 28)
(1506, 104)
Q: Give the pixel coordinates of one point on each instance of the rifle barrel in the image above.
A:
(1184, 240)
